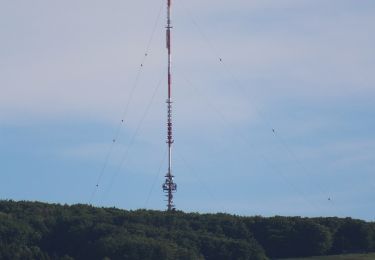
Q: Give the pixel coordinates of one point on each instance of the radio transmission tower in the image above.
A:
(169, 187)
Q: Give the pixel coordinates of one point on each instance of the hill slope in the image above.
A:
(33, 230)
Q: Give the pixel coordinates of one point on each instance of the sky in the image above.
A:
(273, 105)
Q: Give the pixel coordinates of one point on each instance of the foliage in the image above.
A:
(368, 256)
(33, 230)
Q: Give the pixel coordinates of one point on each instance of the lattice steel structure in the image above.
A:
(169, 186)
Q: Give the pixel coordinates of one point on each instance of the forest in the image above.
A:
(35, 230)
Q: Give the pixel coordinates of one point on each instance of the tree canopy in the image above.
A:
(34, 230)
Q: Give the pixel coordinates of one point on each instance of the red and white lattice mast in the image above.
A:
(169, 187)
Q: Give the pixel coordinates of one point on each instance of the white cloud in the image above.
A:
(81, 58)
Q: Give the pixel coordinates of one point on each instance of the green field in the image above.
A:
(339, 257)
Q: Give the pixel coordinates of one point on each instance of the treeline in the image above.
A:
(33, 230)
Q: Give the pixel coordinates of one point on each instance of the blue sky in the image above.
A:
(303, 68)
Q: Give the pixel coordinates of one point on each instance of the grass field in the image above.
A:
(339, 257)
